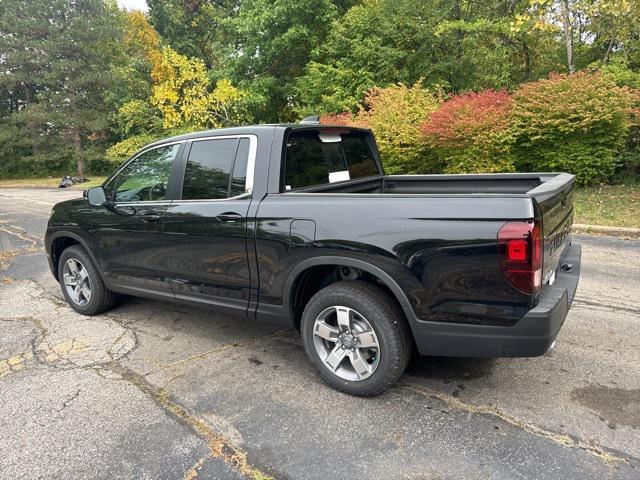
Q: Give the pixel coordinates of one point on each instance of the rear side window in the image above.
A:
(216, 169)
(318, 157)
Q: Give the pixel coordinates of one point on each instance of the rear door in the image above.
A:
(205, 229)
(127, 230)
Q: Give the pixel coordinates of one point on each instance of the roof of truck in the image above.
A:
(247, 130)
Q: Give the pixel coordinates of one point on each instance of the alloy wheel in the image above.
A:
(346, 343)
(76, 282)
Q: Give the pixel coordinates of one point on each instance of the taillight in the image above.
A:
(520, 250)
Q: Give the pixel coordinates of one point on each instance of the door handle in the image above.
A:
(152, 217)
(229, 217)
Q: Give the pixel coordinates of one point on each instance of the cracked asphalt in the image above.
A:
(156, 390)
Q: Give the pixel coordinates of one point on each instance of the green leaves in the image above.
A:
(79, 76)
(575, 123)
(55, 69)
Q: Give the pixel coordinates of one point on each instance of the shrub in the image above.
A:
(575, 123)
(471, 132)
(628, 162)
(395, 114)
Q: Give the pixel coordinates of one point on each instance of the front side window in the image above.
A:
(146, 177)
(317, 158)
(216, 169)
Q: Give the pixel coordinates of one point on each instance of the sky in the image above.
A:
(133, 4)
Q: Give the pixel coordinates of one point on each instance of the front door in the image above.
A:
(205, 229)
(126, 231)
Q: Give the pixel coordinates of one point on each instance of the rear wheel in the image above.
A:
(356, 337)
(81, 284)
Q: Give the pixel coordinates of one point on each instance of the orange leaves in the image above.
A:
(462, 118)
(395, 114)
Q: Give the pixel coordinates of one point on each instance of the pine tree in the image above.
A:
(55, 64)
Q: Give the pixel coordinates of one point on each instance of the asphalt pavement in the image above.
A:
(156, 390)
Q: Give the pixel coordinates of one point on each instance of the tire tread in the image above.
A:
(102, 299)
(391, 324)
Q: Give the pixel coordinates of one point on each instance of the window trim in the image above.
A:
(135, 156)
(251, 162)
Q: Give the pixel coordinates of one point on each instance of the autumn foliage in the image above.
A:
(572, 123)
(395, 114)
(575, 123)
(471, 132)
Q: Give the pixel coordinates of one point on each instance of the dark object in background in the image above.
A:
(68, 181)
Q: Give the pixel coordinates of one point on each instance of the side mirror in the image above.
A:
(96, 196)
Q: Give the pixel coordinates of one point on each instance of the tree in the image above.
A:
(453, 45)
(274, 40)
(196, 28)
(57, 55)
(182, 93)
(590, 30)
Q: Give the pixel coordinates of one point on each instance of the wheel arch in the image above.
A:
(298, 272)
(60, 241)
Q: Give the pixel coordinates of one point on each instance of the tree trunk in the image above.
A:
(568, 35)
(77, 148)
(527, 61)
(605, 60)
(32, 126)
(75, 135)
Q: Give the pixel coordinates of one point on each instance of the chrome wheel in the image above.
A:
(346, 343)
(76, 282)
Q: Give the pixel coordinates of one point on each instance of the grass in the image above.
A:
(610, 205)
(50, 182)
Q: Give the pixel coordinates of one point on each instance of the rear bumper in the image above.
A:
(531, 336)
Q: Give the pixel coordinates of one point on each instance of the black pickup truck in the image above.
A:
(299, 226)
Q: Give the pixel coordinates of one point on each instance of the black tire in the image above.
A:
(101, 299)
(387, 321)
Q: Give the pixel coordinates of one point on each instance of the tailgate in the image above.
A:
(554, 205)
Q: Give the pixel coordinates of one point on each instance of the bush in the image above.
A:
(575, 123)
(395, 114)
(471, 132)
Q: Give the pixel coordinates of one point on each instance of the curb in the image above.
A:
(605, 230)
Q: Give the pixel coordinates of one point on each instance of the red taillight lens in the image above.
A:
(520, 249)
(517, 250)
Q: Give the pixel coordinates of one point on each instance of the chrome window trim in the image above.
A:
(207, 200)
(143, 203)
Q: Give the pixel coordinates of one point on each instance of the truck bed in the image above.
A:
(546, 197)
(538, 185)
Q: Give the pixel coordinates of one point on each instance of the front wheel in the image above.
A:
(356, 337)
(81, 283)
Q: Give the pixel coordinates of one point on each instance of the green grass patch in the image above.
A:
(611, 205)
(50, 182)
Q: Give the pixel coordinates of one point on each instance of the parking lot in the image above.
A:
(156, 390)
